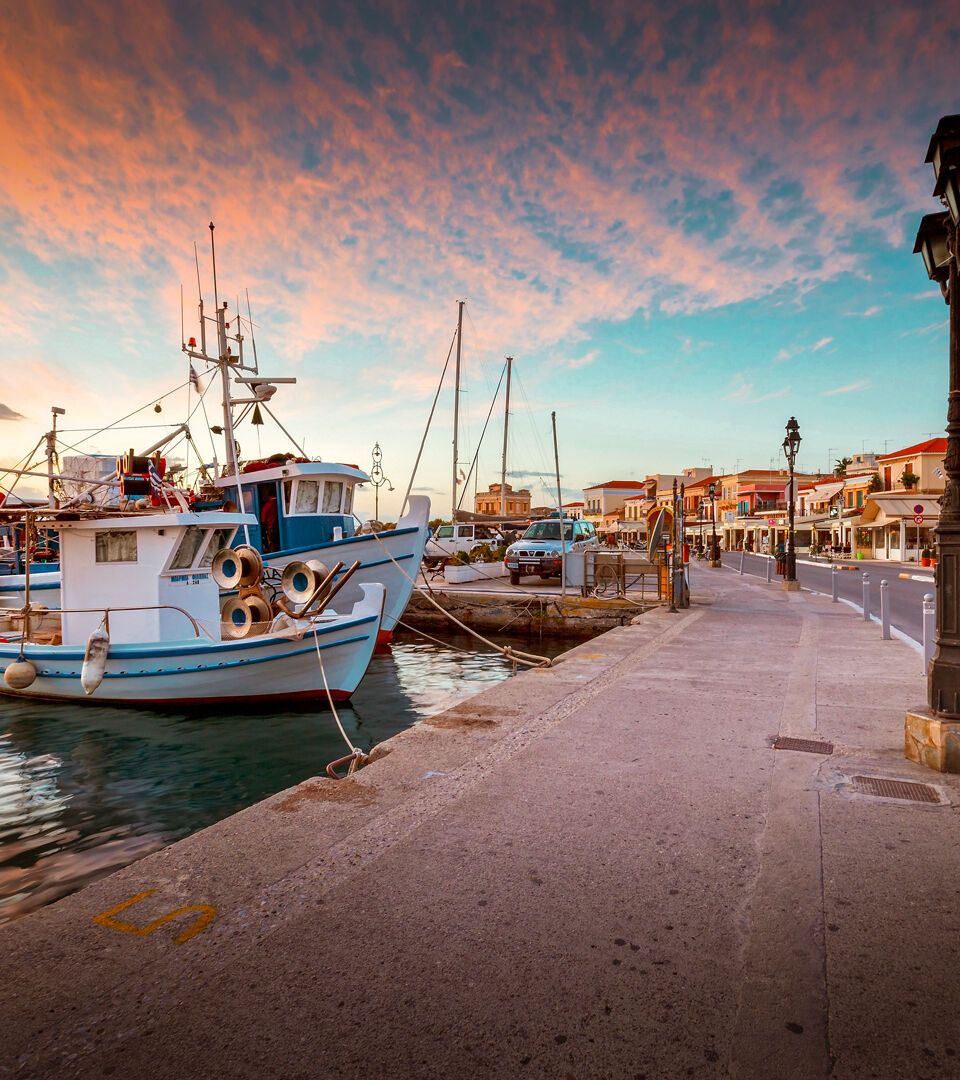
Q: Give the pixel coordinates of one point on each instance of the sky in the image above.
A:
(685, 222)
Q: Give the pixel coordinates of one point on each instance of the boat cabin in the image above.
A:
(148, 564)
(296, 504)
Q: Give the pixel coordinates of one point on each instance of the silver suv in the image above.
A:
(539, 550)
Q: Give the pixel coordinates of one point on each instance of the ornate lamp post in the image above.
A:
(378, 479)
(937, 242)
(714, 557)
(791, 444)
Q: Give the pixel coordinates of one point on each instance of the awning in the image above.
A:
(824, 491)
(882, 511)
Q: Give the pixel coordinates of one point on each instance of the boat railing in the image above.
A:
(26, 615)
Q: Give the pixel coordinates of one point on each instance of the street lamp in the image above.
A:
(712, 491)
(937, 243)
(791, 444)
(378, 479)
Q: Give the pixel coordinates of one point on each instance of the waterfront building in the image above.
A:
(491, 501)
(607, 498)
(573, 510)
(912, 477)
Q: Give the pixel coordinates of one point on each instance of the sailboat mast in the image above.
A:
(456, 413)
(503, 463)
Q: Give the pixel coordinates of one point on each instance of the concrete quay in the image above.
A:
(598, 870)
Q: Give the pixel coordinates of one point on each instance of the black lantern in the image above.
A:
(714, 553)
(932, 244)
(944, 154)
(791, 444)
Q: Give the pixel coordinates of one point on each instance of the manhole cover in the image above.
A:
(895, 789)
(806, 746)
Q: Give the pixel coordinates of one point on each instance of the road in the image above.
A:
(906, 597)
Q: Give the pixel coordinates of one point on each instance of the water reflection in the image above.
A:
(84, 791)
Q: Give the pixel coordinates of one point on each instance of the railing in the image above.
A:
(26, 613)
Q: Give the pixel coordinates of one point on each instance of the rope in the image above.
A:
(426, 431)
(530, 659)
(356, 757)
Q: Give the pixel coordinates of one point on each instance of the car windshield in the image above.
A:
(548, 530)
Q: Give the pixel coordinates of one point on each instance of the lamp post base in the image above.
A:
(716, 563)
(932, 741)
(790, 586)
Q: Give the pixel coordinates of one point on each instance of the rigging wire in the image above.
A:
(426, 430)
(473, 464)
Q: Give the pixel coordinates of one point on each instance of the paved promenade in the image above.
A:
(603, 870)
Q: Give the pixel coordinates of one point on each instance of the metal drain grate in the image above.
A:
(895, 789)
(806, 746)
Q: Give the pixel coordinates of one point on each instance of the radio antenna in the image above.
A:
(253, 337)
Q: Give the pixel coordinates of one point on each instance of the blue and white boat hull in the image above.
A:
(391, 558)
(44, 589)
(279, 667)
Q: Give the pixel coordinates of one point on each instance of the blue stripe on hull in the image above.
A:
(41, 674)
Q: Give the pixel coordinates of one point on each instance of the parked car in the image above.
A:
(540, 550)
(448, 540)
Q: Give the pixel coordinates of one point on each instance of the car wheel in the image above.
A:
(514, 578)
(545, 577)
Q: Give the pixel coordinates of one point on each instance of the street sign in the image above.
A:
(918, 518)
(918, 509)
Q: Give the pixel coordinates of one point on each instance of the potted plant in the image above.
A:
(925, 557)
(909, 480)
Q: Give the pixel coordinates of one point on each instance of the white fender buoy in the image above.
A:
(20, 674)
(95, 659)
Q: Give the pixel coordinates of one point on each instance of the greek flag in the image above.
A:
(155, 482)
(194, 379)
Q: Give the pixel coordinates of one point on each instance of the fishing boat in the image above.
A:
(150, 616)
(301, 509)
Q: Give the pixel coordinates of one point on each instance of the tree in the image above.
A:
(876, 484)
(840, 468)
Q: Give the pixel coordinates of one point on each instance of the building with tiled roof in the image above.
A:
(923, 460)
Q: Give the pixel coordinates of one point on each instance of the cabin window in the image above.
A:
(116, 545)
(287, 488)
(348, 501)
(445, 532)
(188, 548)
(332, 496)
(221, 537)
(308, 492)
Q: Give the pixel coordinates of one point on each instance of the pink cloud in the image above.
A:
(364, 176)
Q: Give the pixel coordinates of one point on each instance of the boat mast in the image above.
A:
(563, 542)
(51, 455)
(223, 362)
(456, 413)
(503, 463)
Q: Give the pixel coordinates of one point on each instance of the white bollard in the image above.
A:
(769, 571)
(929, 629)
(866, 597)
(834, 580)
(884, 611)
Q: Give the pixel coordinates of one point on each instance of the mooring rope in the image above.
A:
(529, 659)
(356, 757)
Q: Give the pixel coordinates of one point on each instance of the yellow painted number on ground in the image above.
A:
(206, 916)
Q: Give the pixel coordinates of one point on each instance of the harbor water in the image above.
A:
(86, 790)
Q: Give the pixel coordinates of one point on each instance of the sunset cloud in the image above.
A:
(367, 165)
(6, 413)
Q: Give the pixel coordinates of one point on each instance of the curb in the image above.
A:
(916, 577)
